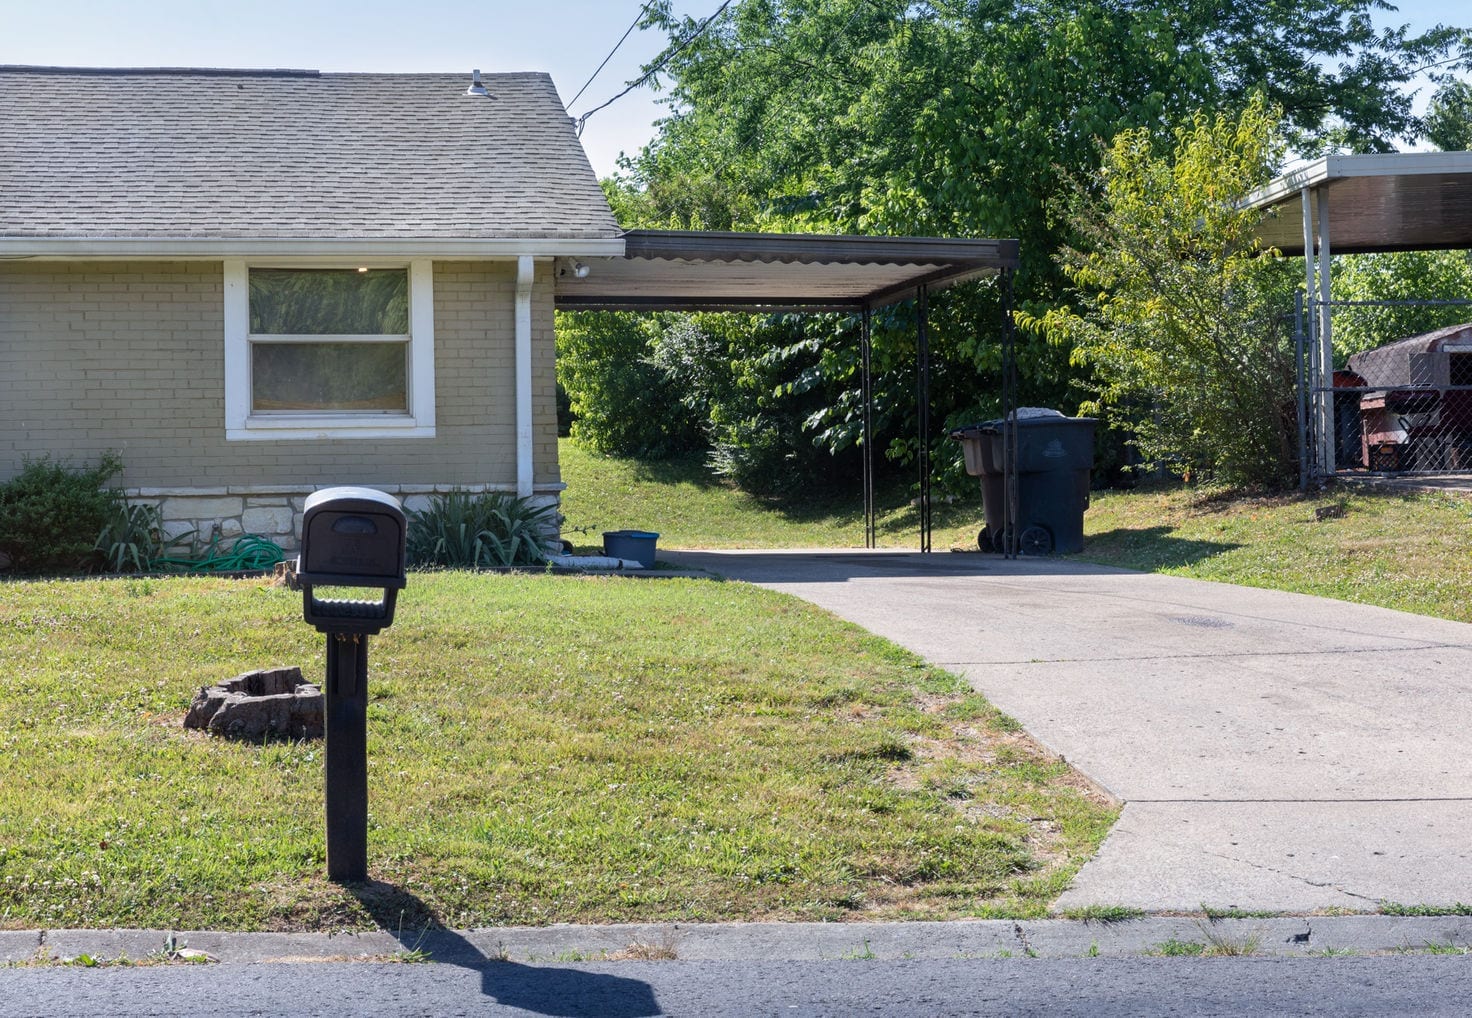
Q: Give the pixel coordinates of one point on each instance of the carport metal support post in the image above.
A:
(1320, 374)
(1010, 508)
(1325, 392)
(922, 395)
(866, 369)
(346, 728)
(1300, 351)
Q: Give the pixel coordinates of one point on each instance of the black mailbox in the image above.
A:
(351, 537)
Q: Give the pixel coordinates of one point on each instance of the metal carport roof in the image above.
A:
(711, 271)
(1401, 201)
(682, 270)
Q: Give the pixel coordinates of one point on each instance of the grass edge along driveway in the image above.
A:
(541, 749)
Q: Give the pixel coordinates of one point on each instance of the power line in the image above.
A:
(668, 55)
(637, 18)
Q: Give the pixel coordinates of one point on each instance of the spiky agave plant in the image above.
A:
(466, 530)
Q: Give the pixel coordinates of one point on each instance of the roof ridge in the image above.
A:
(250, 72)
(223, 72)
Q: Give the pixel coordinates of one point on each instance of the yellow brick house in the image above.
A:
(253, 284)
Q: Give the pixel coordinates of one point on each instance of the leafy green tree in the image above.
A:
(1449, 117)
(1180, 306)
(758, 393)
(621, 403)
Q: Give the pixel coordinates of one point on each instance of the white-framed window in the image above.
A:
(316, 350)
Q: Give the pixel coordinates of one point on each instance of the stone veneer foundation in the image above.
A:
(274, 512)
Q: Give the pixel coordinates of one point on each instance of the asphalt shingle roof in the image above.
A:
(211, 154)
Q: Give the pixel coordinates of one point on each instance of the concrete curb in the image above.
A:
(1299, 936)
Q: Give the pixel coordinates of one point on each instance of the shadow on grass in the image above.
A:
(687, 468)
(895, 510)
(535, 989)
(829, 505)
(1150, 549)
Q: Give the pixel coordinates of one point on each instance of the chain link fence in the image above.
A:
(1403, 407)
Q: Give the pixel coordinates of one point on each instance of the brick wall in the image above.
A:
(130, 357)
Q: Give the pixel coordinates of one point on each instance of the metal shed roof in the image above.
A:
(1401, 201)
(709, 271)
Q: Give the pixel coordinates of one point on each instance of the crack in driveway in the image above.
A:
(1293, 876)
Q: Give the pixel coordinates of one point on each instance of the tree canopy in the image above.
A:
(1449, 117)
(962, 117)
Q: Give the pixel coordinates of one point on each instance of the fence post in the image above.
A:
(1300, 392)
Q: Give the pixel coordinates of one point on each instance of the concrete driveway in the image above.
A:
(1273, 751)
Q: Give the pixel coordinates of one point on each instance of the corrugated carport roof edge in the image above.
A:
(780, 271)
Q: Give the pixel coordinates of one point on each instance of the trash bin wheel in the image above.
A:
(985, 541)
(1035, 540)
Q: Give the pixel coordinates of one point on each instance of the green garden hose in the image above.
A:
(249, 553)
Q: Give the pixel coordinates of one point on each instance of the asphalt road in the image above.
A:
(1099, 988)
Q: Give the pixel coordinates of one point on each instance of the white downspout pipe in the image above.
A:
(525, 271)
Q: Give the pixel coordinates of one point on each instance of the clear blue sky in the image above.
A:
(566, 38)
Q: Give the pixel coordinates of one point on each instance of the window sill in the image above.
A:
(327, 428)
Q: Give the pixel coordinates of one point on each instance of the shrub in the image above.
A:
(133, 540)
(620, 403)
(51, 514)
(461, 530)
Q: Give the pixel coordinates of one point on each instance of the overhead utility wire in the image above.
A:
(637, 18)
(669, 55)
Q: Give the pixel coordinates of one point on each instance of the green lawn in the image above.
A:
(1402, 550)
(541, 748)
(689, 507)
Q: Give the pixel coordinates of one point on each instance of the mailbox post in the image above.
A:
(351, 537)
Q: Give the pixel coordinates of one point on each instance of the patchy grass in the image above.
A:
(689, 507)
(1103, 913)
(541, 749)
(1393, 549)
(1427, 947)
(1174, 948)
(1212, 913)
(1396, 908)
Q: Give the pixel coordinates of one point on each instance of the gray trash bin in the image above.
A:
(1055, 456)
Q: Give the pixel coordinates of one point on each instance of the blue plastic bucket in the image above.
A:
(631, 544)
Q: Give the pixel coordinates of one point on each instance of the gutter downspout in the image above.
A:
(525, 272)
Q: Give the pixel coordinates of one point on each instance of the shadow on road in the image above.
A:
(533, 988)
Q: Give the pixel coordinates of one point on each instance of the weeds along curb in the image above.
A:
(1176, 936)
